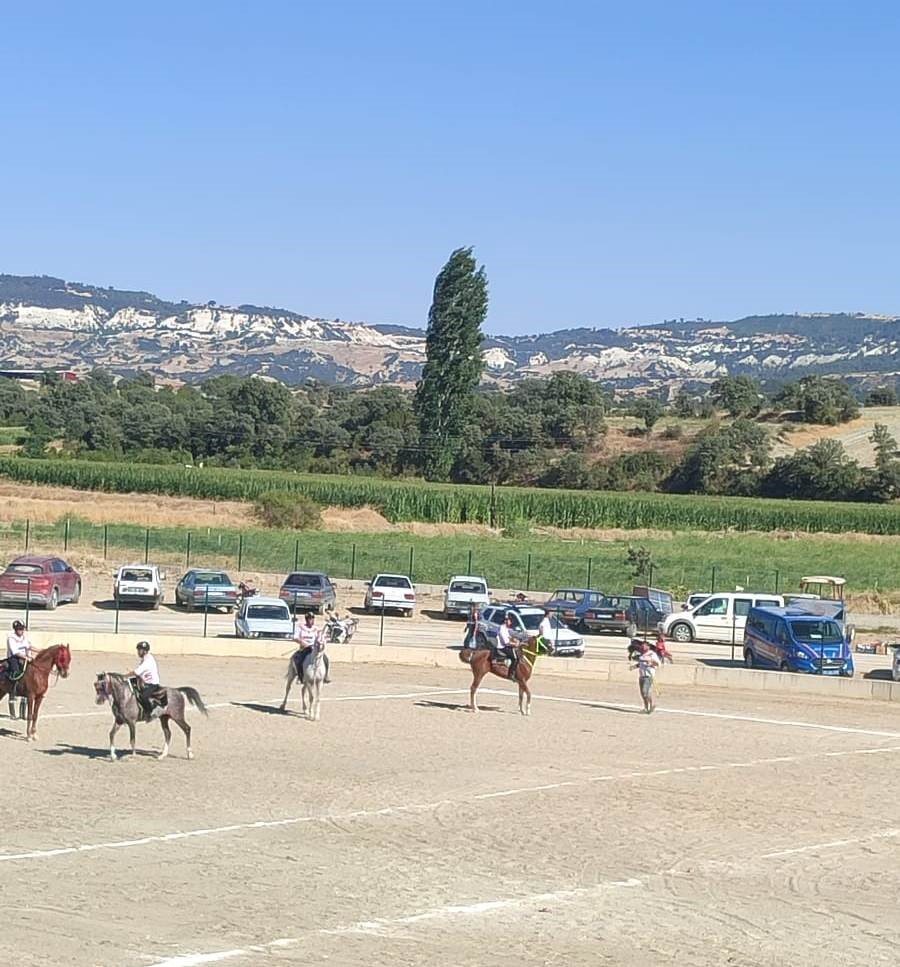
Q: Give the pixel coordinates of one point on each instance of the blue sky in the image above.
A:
(611, 163)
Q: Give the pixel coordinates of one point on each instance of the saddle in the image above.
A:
(148, 697)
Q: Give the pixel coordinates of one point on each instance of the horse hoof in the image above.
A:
(190, 754)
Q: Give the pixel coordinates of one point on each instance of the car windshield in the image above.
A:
(532, 621)
(268, 612)
(25, 569)
(135, 575)
(393, 582)
(820, 632)
(213, 577)
(304, 581)
(467, 587)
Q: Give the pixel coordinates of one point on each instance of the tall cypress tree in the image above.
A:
(453, 364)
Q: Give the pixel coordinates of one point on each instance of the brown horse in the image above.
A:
(36, 680)
(482, 662)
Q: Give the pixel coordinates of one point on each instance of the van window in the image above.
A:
(781, 635)
(713, 606)
(767, 603)
(742, 607)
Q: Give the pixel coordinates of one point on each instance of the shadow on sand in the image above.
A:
(88, 752)
(459, 707)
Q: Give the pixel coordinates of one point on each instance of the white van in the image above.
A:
(721, 617)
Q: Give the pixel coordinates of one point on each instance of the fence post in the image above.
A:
(712, 587)
(240, 550)
(117, 612)
(297, 554)
(650, 577)
(352, 562)
(105, 540)
(187, 558)
(147, 545)
(528, 573)
(27, 601)
(66, 536)
(733, 627)
(410, 572)
(469, 565)
(381, 629)
(777, 579)
(590, 565)
(27, 533)
(206, 611)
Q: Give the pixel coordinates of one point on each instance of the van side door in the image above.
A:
(712, 621)
(740, 608)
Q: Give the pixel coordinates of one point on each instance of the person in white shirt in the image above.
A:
(146, 674)
(308, 635)
(647, 664)
(545, 628)
(505, 646)
(18, 651)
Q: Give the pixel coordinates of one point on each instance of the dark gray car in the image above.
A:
(203, 588)
(623, 614)
(308, 591)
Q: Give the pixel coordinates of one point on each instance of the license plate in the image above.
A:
(20, 580)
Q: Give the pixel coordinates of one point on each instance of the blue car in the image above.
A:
(573, 605)
(793, 640)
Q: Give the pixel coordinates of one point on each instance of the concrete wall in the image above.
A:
(600, 671)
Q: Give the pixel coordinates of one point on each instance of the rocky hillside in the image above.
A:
(47, 322)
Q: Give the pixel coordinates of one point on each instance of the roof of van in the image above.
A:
(799, 610)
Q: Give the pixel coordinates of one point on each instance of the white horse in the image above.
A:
(311, 676)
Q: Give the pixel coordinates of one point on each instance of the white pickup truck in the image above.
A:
(465, 592)
(139, 584)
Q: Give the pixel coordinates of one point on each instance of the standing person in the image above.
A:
(147, 674)
(647, 664)
(308, 636)
(545, 629)
(471, 627)
(18, 650)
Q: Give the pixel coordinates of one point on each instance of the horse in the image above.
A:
(482, 662)
(35, 681)
(311, 676)
(118, 691)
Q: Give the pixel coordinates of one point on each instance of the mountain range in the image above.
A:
(50, 323)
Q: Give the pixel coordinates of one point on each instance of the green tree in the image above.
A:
(454, 363)
(685, 405)
(724, 460)
(820, 472)
(882, 396)
(820, 399)
(649, 410)
(885, 445)
(737, 395)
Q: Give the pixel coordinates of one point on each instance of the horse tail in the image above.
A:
(193, 696)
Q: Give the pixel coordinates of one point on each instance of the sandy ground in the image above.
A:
(400, 829)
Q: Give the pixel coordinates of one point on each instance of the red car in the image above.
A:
(39, 580)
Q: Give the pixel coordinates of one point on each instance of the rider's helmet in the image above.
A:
(143, 647)
(18, 626)
(310, 614)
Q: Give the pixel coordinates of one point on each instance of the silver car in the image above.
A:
(260, 617)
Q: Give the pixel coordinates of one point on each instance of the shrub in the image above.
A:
(279, 508)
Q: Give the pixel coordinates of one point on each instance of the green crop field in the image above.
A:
(685, 562)
(405, 500)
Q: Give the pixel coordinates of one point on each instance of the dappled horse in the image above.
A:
(483, 662)
(311, 676)
(36, 680)
(127, 710)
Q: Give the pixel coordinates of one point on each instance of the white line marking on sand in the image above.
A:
(399, 809)
(834, 844)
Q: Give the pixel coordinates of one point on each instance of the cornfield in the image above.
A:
(408, 500)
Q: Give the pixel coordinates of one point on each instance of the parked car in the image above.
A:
(793, 640)
(139, 584)
(200, 588)
(721, 617)
(308, 591)
(661, 600)
(260, 617)
(624, 614)
(394, 592)
(463, 593)
(895, 663)
(35, 579)
(525, 621)
(695, 598)
(573, 605)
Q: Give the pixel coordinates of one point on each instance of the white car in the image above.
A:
(139, 584)
(259, 617)
(390, 592)
(721, 617)
(463, 593)
(895, 664)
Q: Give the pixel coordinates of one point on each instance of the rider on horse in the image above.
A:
(308, 636)
(145, 680)
(18, 651)
(505, 647)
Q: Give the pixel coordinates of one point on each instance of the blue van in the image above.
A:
(793, 640)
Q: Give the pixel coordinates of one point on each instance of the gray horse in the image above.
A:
(117, 690)
(311, 676)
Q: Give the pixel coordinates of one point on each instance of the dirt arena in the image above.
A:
(726, 829)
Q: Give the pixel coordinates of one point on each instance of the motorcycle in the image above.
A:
(245, 591)
(339, 631)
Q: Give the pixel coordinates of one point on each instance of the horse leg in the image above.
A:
(305, 700)
(316, 700)
(35, 709)
(132, 730)
(112, 740)
(524, 698)
(290, 681)
(167, 736)
(477, 676)
(183, 725)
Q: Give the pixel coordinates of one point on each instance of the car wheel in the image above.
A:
(681, 633)
(76, 596)
(582, 628)
(409, 613)
(579, 654)
(53, 600)
(748, 659)
(189, 604)
(156, 603)
(784, 667)
(632, 630)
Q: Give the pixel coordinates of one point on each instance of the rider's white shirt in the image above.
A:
(17, 646)
(308, 636)
(148, 670)
(503, 636)
(545, 629)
